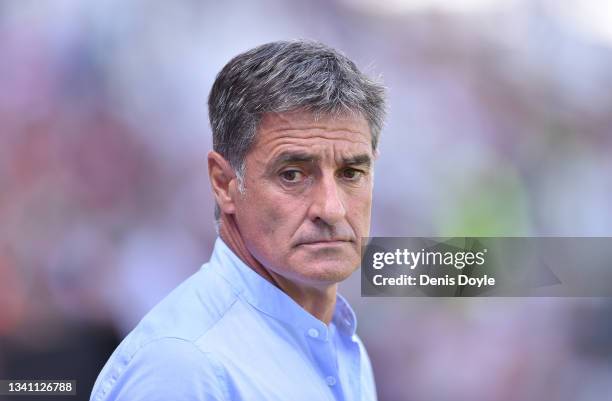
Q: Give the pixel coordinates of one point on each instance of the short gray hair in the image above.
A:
(287, 76)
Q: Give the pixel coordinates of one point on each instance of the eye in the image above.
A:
(291, 175)
(351, 174)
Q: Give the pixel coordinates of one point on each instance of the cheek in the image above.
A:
(265, 215)
(270, 220)
(359, 212)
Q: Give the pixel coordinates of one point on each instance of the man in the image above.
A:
(295, 127)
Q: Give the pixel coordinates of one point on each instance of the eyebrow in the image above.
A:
(358, 160)
(295, 157)
(304, 157)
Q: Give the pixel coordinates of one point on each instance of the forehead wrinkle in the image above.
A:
(292, 126)
(319, 151)
(300, 120)
(295, 140)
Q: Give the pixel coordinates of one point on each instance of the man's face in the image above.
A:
(308, 195)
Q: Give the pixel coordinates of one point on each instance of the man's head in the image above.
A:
(295, 129)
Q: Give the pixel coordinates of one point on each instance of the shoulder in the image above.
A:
(204, 295)
(163, 351)
(163, 369)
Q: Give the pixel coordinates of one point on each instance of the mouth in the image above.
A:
(326, 242)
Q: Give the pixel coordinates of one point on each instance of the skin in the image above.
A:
(305, 207)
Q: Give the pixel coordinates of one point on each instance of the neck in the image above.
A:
(318, 301)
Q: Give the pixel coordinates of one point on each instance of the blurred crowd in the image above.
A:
(500, 124)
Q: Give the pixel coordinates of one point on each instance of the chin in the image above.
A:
(323, 265)
(326, 271)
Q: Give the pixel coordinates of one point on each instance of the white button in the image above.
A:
(314, 333)
(331, 380)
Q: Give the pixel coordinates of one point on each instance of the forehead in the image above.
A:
(342, 132)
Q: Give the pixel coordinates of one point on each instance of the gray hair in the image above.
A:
(281, 77)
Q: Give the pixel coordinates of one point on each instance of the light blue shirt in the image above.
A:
(226, 333)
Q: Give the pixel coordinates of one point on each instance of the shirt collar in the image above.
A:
(269, 299)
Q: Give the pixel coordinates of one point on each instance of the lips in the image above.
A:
(325, 241)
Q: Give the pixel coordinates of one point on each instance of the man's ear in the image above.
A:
(223, 182)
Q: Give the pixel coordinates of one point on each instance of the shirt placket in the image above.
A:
(320, 343)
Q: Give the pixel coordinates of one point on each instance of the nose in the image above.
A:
(327, 203)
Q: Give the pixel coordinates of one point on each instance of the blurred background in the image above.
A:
(500, 124)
